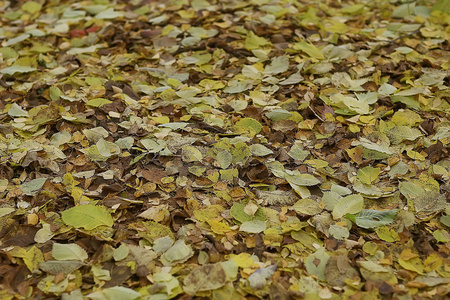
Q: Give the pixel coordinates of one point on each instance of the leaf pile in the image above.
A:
(224, 149)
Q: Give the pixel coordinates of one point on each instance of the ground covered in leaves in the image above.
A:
(231, 149)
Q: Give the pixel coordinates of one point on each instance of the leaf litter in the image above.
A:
(224, 149)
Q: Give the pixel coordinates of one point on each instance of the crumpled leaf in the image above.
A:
(259, 278)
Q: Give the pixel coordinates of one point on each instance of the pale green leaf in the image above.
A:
(278, 65)
(368, 174)
(33, 186)
(254, 226)
(224, 159)
(302, 179)
(398, 134)
(352, 204)
(298, 153)
(87, 216)
(69, 252)
(17, 111)
(109, 13)
(178, 253)
(120, 293)
(278, 114)
(191, 154)
(17, 69)
(98, 102)
(316, 263)
(254, 42)
(259, 150)
(309, 49)
(369, 218)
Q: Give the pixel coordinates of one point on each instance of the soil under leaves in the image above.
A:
(272, 149)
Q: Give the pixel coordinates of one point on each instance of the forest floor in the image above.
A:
(235, 149)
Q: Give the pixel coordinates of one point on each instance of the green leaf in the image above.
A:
(55, 93)
(309, 49)
(238, 86)
(442, 236)
(254, 42)
(17, 69)
(178, 253)
(352, 204)
(369, 218)
(368, 175)
(69, 252)
(278, 65)
(33, 186)
(410, 190)
(119, 293)
(298, 153)
(98, 102)
(109, 13)
(31, 7)
(224, 159)
(339, 232)
(153, 146)
(404, 10)
(302, 179)
(278, 114)
(125, 142)
(106, 148)
(249, 125)
(316, 263)
(191, 154)
(237, 212)
(17, 111)
(254, 226)
(87, 216)
(442, 5)
(259, 150)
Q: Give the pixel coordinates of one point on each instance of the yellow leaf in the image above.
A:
(243, 260)
(415, 155)
(33, 257)
(218, 227)
(386, 234)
